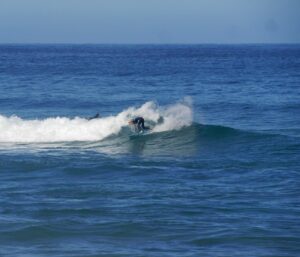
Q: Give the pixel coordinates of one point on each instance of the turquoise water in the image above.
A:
(217, 176)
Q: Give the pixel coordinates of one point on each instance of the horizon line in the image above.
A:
(178, 43)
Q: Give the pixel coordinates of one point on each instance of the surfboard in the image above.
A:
(140, 134)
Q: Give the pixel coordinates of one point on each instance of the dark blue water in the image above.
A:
(219, 174)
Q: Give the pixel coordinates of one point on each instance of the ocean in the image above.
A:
(218, 174)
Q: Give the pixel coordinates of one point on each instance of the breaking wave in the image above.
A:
(64, 129)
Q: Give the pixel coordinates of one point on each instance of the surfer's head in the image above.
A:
(130, 122)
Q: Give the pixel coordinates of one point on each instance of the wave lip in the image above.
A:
(62, 129)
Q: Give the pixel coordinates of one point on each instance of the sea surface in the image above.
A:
(218, 174)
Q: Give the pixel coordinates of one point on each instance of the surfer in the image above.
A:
(139, 123)
(94, 117)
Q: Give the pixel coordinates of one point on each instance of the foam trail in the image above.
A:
(62, 129)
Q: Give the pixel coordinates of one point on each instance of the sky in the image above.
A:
(150, 21)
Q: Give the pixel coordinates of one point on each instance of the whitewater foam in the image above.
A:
(61, 129)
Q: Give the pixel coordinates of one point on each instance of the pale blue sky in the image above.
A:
(149, 21)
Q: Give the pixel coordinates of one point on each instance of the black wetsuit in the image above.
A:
(139, 122)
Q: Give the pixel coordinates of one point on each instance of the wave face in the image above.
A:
(63, 129)
(173, 133)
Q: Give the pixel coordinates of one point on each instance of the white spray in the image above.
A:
(59, 129)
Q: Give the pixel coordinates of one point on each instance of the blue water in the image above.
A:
(219, 175)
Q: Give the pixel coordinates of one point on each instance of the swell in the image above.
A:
(197, 138)
(173, 132)
(186, 137)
